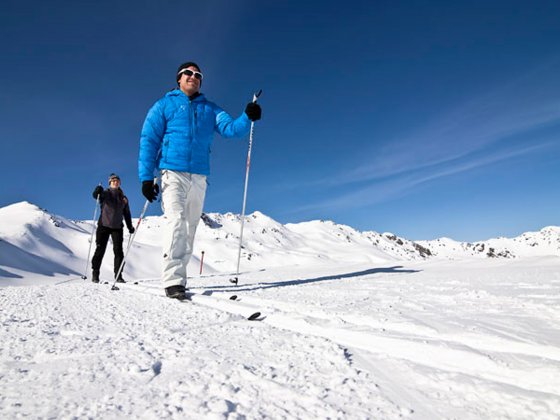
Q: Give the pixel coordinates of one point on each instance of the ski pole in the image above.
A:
(235, 280)
(131, 240)
(91, 238)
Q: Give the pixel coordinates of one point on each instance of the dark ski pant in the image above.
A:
(101, 238)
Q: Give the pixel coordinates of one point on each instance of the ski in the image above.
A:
(206, 298)
(224, 304)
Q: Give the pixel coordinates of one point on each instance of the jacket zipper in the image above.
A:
(191, 136)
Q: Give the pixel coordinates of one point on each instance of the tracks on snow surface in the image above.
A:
(225, 303)
(458, 354)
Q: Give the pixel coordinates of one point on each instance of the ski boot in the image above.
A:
(176, 292)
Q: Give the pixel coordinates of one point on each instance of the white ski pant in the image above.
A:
(182, 198)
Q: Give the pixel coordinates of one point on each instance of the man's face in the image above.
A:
(114, 183)
(190, 84)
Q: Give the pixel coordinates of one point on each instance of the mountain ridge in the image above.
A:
(29, 234)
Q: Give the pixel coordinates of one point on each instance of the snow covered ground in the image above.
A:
(343, 334)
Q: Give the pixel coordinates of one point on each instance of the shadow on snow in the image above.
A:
(267, 285)
(17, 258)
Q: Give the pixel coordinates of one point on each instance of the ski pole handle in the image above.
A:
(256, 95)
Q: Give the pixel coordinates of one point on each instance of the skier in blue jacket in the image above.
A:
(176, 140)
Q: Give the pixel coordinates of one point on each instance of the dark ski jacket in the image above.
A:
(114, 206)
(178, 134)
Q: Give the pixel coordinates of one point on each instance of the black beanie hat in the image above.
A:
(184, 66)
(114, 176)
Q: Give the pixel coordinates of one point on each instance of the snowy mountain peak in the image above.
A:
(29, 233)
(19, 218)
(22, 210)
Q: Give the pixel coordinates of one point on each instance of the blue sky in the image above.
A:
(425, 119)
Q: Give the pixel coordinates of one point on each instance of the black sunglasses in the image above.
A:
(196, 74)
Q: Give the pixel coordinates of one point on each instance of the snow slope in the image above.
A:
(35, 241)
(348, 330)
(415, 340)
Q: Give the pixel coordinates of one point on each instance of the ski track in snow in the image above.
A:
(424, 340)
(85, 351)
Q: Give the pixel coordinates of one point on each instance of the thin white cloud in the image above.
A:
(453, 138)
(395, 187)
(519, 107)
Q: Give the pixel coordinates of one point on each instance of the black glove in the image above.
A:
(131, 230)
(150, 190)
(97, 192)
(253, 111)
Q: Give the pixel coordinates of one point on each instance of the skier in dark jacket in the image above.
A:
(114, 206)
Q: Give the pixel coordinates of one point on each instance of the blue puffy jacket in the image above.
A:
(178, 133)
